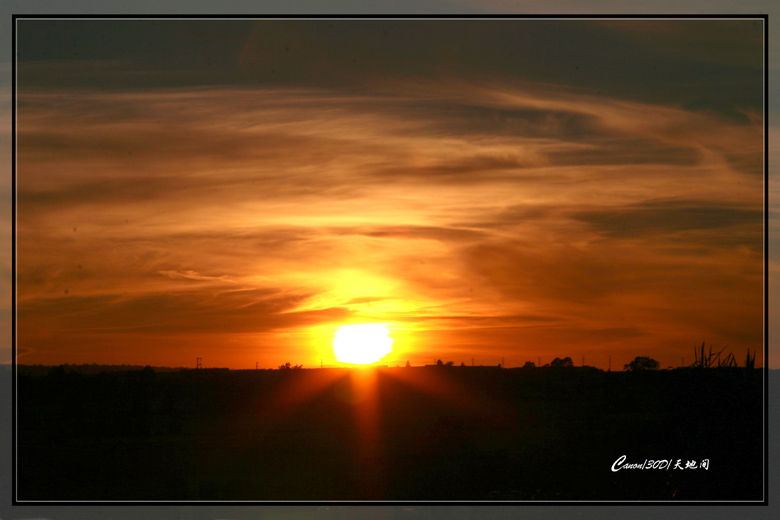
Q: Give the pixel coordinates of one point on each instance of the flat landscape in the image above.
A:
(377, 194)
(391, 434)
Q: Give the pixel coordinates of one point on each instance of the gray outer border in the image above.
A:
(314, 7)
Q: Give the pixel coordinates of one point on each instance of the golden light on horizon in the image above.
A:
(362, 344)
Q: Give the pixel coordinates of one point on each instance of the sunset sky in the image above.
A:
(236, 190)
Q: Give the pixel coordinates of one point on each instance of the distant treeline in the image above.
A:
(92, 368)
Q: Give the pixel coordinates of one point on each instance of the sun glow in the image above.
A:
(362, 344)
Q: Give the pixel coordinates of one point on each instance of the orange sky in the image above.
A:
(480, 213)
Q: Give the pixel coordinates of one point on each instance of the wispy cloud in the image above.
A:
(501, 210)
(192, 275)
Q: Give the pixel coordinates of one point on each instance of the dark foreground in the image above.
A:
(397, 434)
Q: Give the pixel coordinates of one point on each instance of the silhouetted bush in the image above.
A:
(562, 363)
(641, 363)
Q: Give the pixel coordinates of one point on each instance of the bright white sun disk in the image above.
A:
(362, 344)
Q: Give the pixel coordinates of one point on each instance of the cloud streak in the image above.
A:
(476, 215)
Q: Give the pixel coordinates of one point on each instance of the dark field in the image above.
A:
(396, 434)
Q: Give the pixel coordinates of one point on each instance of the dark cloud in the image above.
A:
(173, 142)
(412, 232)
(457, 117)
(144, 53)
(143, 188)
(469, 170)
(628, 151)
(702, 64)
(746, 161)
(205, 311)
(711, 41)
(507, 217)
(604, 269)
(670, 216)
(562, 273)
(502, 321)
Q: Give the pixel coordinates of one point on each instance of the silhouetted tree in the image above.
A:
(529, 364)
(641, 363)
(289, 366)
(449, 363)
(565, 362)
(408, 365)
(462, 364)
(439, 363)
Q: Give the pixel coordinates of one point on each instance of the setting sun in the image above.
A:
(362, 344)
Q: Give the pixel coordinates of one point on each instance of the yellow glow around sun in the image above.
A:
(362, 344)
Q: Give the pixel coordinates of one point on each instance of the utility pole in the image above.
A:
(610, 364)
(198, 363)
(255, 365)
